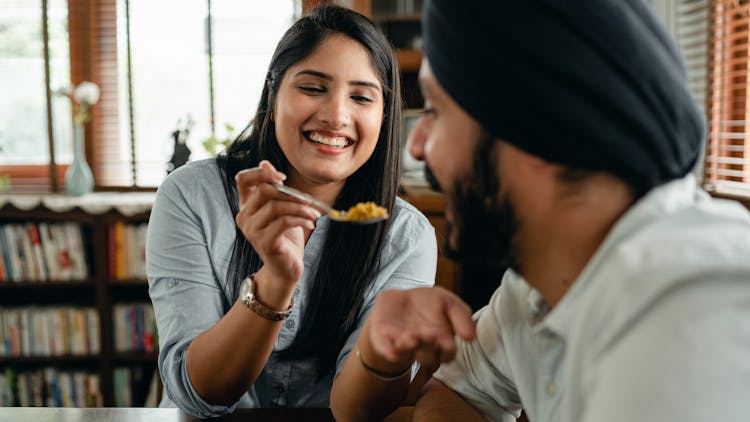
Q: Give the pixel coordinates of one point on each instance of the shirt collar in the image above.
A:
(659, 201)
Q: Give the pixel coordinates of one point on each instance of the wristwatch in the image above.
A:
(248, 297)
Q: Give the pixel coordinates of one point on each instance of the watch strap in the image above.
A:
(250, 299)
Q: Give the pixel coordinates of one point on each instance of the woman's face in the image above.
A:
(328, 112)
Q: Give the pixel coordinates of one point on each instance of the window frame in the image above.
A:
(92, 29)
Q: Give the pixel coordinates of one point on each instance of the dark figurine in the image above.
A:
(181, 153)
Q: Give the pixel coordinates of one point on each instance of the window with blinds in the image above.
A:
(159, 65)
(690, 25)
(727, 165)
(176, 80)
(690, 28)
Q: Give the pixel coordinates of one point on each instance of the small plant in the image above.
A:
(214, 145)
(4, 183)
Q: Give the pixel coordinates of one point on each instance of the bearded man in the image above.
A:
(565, 138)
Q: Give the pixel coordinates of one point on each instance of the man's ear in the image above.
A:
(517, 163)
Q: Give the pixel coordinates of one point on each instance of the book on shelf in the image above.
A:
(40, 267)
(42, 252)
(50, 387)
(77, 254)
(135, 327)
(127, 250)
(135, 386)
(49, 331)
(3, 274)
(26, 255)
(11, 254)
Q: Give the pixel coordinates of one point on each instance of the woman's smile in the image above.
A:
(328, 112)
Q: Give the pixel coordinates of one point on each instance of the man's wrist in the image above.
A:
(379, 374)
(373, 363)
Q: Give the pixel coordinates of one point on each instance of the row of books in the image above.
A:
(127, 251)
(135, 327)
(42, 252)
(49, 331)
(136, 386)
(49, 387)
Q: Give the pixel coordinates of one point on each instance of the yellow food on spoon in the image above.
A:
(362, 211)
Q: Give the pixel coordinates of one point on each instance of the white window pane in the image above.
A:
(59, 53)
(23, 111)
(170, 72)
(245, 34)
(170, 79)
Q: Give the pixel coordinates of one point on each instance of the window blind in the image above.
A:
(691, 26)
(727, 165)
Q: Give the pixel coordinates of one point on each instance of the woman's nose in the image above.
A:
(335, 112)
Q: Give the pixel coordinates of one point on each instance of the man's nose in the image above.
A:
(416, 141)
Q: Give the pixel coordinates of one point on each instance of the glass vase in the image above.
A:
(78, 178)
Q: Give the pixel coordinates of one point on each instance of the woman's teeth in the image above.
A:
(338, 141)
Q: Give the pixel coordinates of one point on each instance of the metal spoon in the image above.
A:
(332, 213)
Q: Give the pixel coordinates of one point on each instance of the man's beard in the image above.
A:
(484, 220)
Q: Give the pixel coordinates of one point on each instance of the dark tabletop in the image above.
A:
(57, 414)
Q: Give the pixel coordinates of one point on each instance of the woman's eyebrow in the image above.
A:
(330, 78)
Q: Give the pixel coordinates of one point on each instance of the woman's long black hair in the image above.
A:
(351, 252)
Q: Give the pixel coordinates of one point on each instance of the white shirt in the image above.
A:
(656, 327)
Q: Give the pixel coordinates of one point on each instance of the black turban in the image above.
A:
(591, 84)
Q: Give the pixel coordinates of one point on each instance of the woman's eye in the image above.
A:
(361, 99)
(312, 89)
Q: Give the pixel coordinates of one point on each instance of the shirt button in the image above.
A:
(280, 389)
(551, 388)
(290, 323)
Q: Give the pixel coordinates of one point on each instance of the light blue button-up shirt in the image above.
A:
(190, 238)
(656, 327)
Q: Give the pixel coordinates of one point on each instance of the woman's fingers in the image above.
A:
(273, 209)
(265, 205)
(248, 178)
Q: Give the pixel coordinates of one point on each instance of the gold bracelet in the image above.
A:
(383, 376)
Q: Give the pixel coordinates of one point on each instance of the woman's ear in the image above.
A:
(269, 100)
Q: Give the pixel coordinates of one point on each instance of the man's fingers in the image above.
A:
(459, 315)
(428, 356)
(384, 342)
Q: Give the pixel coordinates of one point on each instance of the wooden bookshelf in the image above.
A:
(98, 291)
(409, 60)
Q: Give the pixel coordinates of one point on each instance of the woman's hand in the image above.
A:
(418, 324)
(273, 223)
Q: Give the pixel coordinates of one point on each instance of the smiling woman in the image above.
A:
(226, 244)
(328, 113)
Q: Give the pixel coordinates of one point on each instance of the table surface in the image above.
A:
(60, 414)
